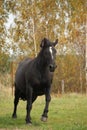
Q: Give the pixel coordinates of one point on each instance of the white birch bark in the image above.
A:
(33, 24)
(35, 48)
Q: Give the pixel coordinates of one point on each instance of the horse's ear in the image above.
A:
(55, 42)
(43, 43)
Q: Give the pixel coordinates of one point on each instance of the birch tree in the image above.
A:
(34, 20)
(86, 55)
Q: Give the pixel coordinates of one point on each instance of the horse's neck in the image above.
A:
(41, 64)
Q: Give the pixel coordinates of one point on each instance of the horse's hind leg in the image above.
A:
(16, 100)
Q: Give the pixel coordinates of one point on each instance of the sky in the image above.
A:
(10, 21)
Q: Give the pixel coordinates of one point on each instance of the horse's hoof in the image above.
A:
(14, 116)
(43, 118)
(29, 123)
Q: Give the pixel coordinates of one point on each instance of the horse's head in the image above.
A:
(49, 53)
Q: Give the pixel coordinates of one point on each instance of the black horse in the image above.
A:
(34, 78)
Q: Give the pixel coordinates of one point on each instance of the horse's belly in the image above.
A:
(40, 92)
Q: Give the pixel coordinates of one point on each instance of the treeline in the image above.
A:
(24, 23)
(4, 63)
(69, 75)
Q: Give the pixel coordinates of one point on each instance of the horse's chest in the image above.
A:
(45, 76)
(41, 83)
(40, 88)
(40, 80)
(43, 80)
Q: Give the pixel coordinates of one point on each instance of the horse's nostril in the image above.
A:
(50, 66)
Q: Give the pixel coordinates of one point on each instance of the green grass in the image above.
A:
(68, 112)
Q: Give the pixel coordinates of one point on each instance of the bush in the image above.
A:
(4, 63)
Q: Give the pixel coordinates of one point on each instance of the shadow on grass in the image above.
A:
(8, 122)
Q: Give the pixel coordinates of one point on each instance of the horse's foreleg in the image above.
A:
(48, 99)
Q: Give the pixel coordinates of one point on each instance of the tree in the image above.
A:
(34, 20)
(2, 20)
(86, 57)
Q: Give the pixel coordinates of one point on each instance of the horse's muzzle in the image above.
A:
(52, 67)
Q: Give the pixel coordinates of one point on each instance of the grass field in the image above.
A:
(68, 112)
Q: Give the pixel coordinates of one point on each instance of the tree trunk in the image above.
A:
(62, 85)
(33, 24)
(86, 55)
(45, 14)
(12, 77)
(81, 81)
(35, 49)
